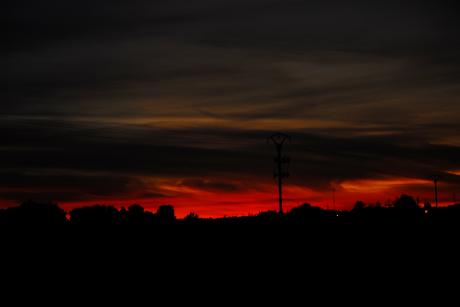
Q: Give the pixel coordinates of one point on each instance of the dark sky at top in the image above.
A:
(106, 100)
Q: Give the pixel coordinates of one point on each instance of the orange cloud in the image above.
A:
(380, 185)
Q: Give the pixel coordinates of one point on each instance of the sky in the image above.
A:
(171, 102)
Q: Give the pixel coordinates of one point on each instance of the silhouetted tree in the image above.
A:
(97, 215)
(406, 212)
(34, 214)
(192, 216)
(359, 205)
(406, 202)
(165, 214)
(308, 214)
(136, 215)
(136, 209)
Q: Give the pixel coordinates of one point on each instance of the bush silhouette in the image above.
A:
(165, 214)
(98, 215)
(406, 203)
(34, 214)
(359, 205)
(191, 217)
(403, 211)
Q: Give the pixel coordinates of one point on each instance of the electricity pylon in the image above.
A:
(436, 191)
(279, 139)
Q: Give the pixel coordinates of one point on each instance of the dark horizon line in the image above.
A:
(119, 208)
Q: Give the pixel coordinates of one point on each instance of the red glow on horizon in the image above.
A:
(215, 204)
(208, 202)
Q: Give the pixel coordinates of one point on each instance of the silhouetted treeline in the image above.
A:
(50, 214)
(134, 216)
(404, 211)
(33, 213)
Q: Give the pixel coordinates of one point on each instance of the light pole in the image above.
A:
(436, 191)
(333, 198)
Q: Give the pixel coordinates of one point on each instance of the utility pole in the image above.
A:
(333, 198)
(279, 139)
(436, 191)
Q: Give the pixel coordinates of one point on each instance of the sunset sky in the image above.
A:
(171, 102)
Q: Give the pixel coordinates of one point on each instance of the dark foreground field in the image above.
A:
(384, 249)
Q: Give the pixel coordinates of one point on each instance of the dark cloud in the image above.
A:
(211, 185)
(99, 162)
(191, 89)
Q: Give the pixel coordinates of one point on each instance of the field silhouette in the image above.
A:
(323, 247)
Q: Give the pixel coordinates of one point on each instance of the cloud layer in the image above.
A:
(116, 101)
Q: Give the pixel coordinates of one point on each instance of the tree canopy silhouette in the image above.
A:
(403, 211)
